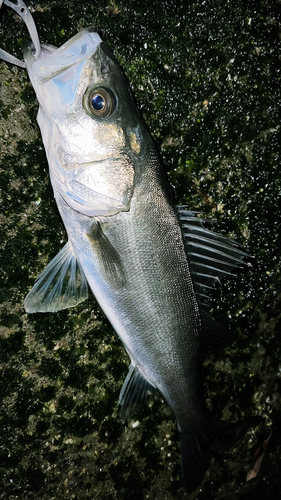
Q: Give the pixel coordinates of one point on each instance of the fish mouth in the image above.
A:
(101, 188)
(78, 49)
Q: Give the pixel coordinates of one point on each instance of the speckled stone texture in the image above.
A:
(206, 78)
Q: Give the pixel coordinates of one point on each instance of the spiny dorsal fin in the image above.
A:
(211, 255)
(62, 284)
(136, 391)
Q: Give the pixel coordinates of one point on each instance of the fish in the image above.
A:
(150, 264)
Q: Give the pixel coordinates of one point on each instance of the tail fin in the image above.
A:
(198, 449)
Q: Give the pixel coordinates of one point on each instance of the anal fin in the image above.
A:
(136, 392)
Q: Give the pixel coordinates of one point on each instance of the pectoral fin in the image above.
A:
(111, 266)
(62, 284)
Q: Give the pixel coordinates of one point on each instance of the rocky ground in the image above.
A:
(206, 78)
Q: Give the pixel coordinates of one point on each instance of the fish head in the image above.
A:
(90, 126)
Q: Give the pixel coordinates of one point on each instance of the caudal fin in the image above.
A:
(198, 449)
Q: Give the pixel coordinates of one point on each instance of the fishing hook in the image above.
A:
(22, 10)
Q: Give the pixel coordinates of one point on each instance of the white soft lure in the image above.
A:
(150, 264)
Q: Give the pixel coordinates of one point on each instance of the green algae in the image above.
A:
(206, 78)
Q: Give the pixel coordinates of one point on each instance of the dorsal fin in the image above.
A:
(215, 335)
(211, 256)
(62, 284)
(136, 392)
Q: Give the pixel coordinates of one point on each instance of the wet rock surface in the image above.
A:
(206, 78)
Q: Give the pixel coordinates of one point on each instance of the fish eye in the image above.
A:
(99, 102)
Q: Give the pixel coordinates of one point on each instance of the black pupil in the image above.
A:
(98, 102)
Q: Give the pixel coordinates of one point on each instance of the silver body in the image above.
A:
(125, 235)
(152, 307)
(149, 299)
